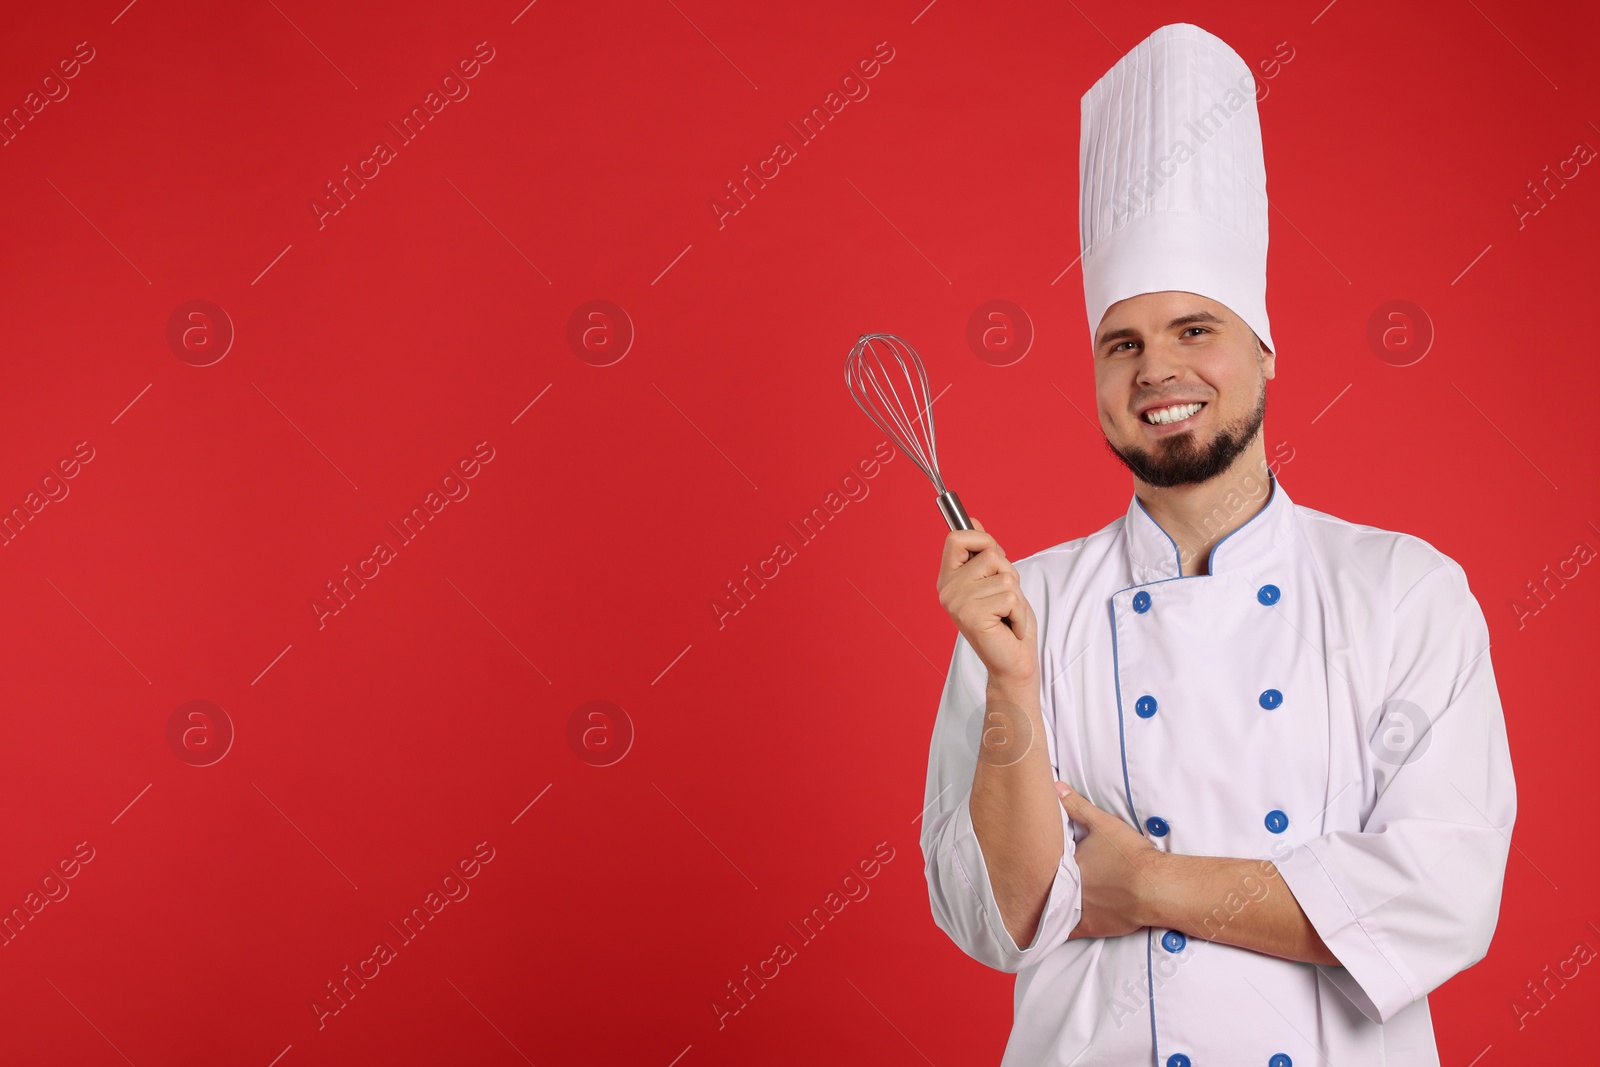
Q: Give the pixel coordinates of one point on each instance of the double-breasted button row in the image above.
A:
(1268, 595)
(1146, 706)
(1277, 821)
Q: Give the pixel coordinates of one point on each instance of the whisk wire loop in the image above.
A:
(871, 383)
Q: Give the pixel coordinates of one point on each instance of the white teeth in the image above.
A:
(1177, 413)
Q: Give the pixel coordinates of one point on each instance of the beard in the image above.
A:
(1179, 460)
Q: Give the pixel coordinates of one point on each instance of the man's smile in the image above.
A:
(1172, 418)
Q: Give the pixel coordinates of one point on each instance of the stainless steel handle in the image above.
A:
(954, 513)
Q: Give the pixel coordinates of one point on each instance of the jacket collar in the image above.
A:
(1154, 555)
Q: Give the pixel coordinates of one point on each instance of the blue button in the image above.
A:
(1145, 707)
(1173, 941)
(1177, 1059)
(1141, 602)
(1268, 595)
(1156, 825)
(1280, 1060)
(1271, 698)
(1277, 821)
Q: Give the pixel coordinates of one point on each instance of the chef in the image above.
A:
(1227, 781)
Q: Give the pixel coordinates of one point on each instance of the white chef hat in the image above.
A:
(1172, 182)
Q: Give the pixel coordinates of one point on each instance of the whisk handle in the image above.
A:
(956, 516)
(954, 513)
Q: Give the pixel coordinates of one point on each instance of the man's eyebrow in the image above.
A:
(1182, 320)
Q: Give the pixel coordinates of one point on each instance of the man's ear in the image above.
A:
(1268, 360)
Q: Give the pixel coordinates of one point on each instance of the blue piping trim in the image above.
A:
(1150, 976)
(1272, 478)
(1122, 740)
(1178, 556)
(1116, 678)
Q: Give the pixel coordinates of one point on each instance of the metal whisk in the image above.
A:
(872, 382)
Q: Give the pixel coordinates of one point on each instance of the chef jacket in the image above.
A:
(1323, 699)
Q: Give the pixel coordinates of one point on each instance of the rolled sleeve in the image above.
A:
(959, 890)
(963, 900)
(1413, 897)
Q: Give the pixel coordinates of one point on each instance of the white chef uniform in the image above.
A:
(1324, 699)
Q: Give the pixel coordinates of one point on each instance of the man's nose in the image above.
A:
(1157, 367)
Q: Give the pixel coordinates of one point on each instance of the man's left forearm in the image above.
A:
(1237, 902)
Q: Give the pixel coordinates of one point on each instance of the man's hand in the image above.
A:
(1129, 884)
(982, 592)
(1118, 868)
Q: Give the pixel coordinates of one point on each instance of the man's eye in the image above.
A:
(1202, 329)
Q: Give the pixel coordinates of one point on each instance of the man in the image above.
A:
(1239, 792)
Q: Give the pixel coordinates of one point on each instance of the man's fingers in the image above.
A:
(1078, 806)
(961, 545)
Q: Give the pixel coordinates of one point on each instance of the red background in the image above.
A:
(770, 755)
